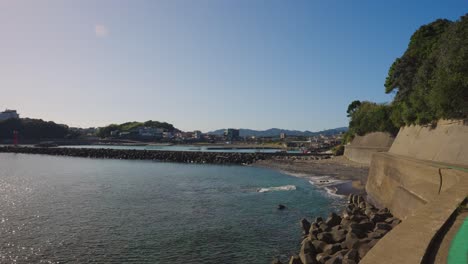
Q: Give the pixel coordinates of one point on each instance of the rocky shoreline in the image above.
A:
(343, 239)
(167, 156)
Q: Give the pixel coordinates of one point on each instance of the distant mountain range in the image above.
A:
(275, 132)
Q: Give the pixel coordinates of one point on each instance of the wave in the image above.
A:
(279, 188)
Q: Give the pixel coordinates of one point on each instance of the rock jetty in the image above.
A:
(344, 239)
(129, 154)
(157, 155)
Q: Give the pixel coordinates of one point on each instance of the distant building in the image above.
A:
(8, 114)
(168, 135)
(282, 135)
(231, 134)
(114, 133)
(150, 132)
(197, 134)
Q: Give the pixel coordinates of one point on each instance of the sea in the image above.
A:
(82, 210)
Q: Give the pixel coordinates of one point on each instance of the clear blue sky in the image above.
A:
(204, 64)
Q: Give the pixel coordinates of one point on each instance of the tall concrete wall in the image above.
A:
(362, 147)
(404, 184)
(422, 180)
(447, 142)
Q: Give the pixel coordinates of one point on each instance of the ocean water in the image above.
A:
(78, 210)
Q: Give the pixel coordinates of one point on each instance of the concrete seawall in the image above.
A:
(447, 142)
(362, 147)
(422, 180)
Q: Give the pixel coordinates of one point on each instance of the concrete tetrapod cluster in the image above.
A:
(346, 238)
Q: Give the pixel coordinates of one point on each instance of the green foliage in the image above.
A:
(430, 79)
(338, 150)
(352, 107)
(32, 129)
(371, 117)
(128, 126)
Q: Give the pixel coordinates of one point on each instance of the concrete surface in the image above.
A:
(409, 241)
(422, 180)
(448, 142)
(404, 184)
(362, 147)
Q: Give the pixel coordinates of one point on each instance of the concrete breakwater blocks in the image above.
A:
(344, 238)
(169, 156)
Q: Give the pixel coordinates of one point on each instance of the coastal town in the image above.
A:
(139, 133)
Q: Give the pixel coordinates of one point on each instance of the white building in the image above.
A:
(7, 114)
(197, 134)
(150, 132)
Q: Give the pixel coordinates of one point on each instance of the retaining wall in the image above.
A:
(422, 180)
(362, 147)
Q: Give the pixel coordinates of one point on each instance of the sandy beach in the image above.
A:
(337, 175)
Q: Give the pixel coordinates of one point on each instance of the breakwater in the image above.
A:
(346, 238)
(168, 156)
(130, 154)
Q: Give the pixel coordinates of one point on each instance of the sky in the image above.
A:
(204, 64)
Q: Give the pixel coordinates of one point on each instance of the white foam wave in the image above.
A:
(279, 188)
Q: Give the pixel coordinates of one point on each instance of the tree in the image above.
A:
(430, 79)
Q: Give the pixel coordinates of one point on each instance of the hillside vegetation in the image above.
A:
(124, 127)
(429, 81)
(32, 129)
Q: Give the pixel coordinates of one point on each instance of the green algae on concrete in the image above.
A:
(458, 252)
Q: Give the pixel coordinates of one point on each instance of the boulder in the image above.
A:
(383, 226)
(281, 207)
(337, 227)
(376, 218)
(308, 252)
(324, 227)
(305, 226)
(359, 200)
(322, 257)
(325, 237)
(362, 205)
(318, 220)
(319, 245)
(351, 241)
(345, 222)
(363, 249)
(333, 220)
(332, 249)
(375, 235)
(338, 235)
(358, 230)
(313, 233)
(335, 260)
(366, 225)
(352, 255)
(295, 260)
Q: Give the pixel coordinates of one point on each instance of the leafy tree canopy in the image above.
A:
(430, 79)
(371, 117)
(128, 126)
(32, 129)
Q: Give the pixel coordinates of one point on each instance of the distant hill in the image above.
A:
(275, 132)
